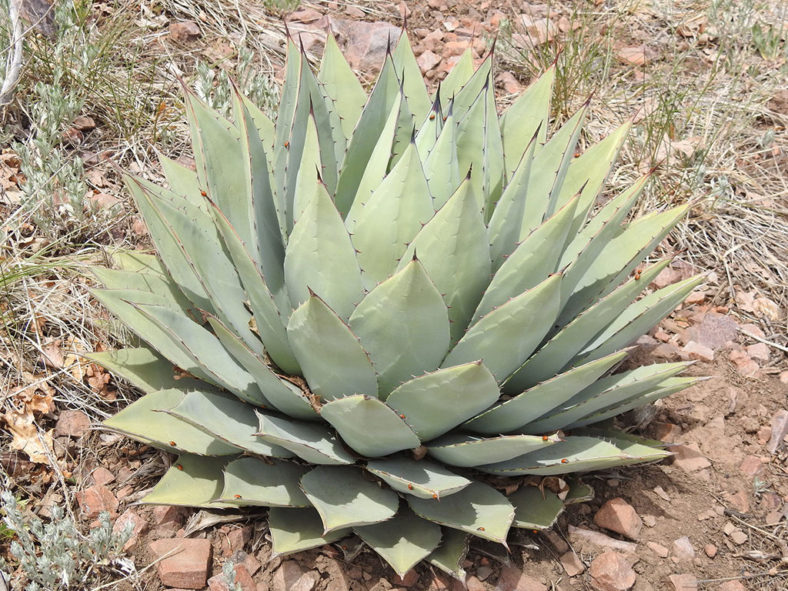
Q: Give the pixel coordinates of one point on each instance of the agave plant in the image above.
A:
(379, 312)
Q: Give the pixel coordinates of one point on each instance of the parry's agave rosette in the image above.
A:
(366, 313)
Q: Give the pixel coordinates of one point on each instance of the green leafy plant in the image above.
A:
(55, 555)
(371, 313)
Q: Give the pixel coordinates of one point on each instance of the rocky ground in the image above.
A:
(714, 516)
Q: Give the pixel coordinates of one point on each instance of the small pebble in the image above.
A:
(710, 550)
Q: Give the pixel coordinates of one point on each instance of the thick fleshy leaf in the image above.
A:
(528, 115)
(542, 398)
(181, 179)
(394, 214)
(309, 441)
(409, 74)
(535, 508)
(435, 403)
(275, 392)
(639, 318)
(144, 368)
(228, 419)
(345, 498)
(453, 249)
(477, 509)
(507, 218)
(403, 541)
(458, 77)
(192, 481)
(369, 426)
(271, 483)
(450, 555)
(320, 257)
(423, 479)
(606, 392)
(574, 454)
(342, 88)
(203, 347)
(296, 530)
(330, 355)
(562, 348)
(267, 311)
(403, 324)
(468, 451)
(366, 135)
(504, 338)
(479, 144)
(144, 420)
(531, 262)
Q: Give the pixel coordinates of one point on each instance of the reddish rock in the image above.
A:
(684, 582)
(658, 549)
(779, 431)
(751, 466)
(738, 537)
(130, 518)
(683, 549)
(428, 60)
(710, 550)
(612, 571)
(96, 499)
(689, 458)
(715, 331)
(740, 500)
(411, 578)
(102, 476)
(572, 564)
(184, 31)
(698, 351)
(286, 575)
(759, 351)
(619, 516)
(186, 564)
(744, 364)
(514, 579)
(168, 519)
(509, 83)
(83, 123)
(472, 583)
(242, 579)
(72, 423)
(235, 538)
(600, 539)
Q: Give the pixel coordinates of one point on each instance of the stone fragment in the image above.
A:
(779, 431)
(759, 351)
(740, 500)
(72, 423)
(738, 537)
(184, 31)
(601, 539)
(658, 549)
(428, 60)
(683, 582)
(235, 539)
(649, 520)
(514, 579)
(715, 331)
(744, 364)
(667, 432)
(619, 516)
(572, 564)
(697, 351)
(473, 583)
(683, 550)
(102, 476)
(411, 578)
(243, 579)
(751, 466)
(96, 499)
(286, 576)
(689, 458)
(83, 123)
(130, 518)
(612, 571)
(186, 564)
(710, 550)
(557, 542)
